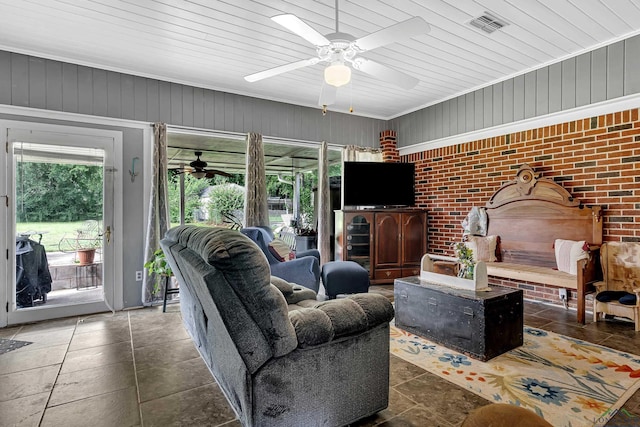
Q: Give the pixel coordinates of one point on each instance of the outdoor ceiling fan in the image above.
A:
(341, 51)
(198, 169)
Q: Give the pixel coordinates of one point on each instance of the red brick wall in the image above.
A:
(389, 146)
(596, 159)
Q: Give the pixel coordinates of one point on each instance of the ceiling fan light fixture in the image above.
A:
(198, 174)
(337, 74)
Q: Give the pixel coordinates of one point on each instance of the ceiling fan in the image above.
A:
(198, 169)
(340, 50)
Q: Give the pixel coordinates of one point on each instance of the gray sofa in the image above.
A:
(281, 357)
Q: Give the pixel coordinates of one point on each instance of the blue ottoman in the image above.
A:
(344, 277)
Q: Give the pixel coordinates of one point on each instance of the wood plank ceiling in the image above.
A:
(213, 44)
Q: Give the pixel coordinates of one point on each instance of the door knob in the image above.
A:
(107, 234)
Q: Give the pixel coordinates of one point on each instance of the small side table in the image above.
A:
(168, 291)
(85, 271)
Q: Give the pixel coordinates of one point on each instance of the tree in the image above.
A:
(58, 192)
(277, 188)
(193, 189)
(225, 200)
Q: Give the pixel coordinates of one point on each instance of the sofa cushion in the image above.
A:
(312, 326)
(484, 248)
(568, 252)
(332, 319)
(376, 310)
(346, 315)
(608, 296)
(247, 271)
(622, 297)
(628, 299)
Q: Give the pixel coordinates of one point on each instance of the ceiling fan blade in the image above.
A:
(327, 94)
(210, 173)
(388, 74)
(398, 32)
(280, 69)
(299, 27)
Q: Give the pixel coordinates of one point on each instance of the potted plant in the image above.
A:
(159, 266)
(306, 236)
(86, 250)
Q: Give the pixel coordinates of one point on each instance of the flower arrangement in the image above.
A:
(465, 258)
(303, 227)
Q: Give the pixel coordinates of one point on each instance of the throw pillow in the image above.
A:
(608, 296)
(484, 248)
(568, 252)
(281, 250)
(628, 299)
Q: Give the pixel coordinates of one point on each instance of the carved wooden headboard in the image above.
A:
(530, 212)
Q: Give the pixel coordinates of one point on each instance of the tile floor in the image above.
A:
(139, 367)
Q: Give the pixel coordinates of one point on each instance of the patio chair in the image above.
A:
(303, 269)
(86, 237)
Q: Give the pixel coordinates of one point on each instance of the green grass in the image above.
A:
(53, 232)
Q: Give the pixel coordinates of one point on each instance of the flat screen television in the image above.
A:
(378, 184)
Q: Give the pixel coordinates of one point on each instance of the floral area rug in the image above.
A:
(566, 381)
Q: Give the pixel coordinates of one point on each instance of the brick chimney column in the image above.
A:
(389, 146)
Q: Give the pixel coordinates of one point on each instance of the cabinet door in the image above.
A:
(388, 240)
(359, 238)
(414, 237)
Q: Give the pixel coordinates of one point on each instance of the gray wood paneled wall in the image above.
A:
(602, 74)
(29, 81)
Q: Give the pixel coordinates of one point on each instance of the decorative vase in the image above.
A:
(86, 256)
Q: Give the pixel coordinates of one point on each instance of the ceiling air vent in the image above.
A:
(488, 23)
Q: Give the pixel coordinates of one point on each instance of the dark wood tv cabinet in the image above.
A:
(389, 243)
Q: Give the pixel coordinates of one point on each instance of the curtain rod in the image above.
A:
(242, 136)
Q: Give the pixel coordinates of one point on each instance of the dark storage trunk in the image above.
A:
(481, 325)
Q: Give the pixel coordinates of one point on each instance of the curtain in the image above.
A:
(353, 153)
(324, 212)
(158, 221)
(256, 211)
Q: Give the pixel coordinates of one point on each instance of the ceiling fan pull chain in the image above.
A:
(351, 96)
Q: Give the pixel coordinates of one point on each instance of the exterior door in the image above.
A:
(60, 209)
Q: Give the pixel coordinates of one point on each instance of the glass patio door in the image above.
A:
(60, 185)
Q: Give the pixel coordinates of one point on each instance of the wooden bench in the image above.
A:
(288, 236)
(528, 214)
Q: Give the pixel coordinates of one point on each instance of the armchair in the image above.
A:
(281, 357)
(619, 292)
(303, 270)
